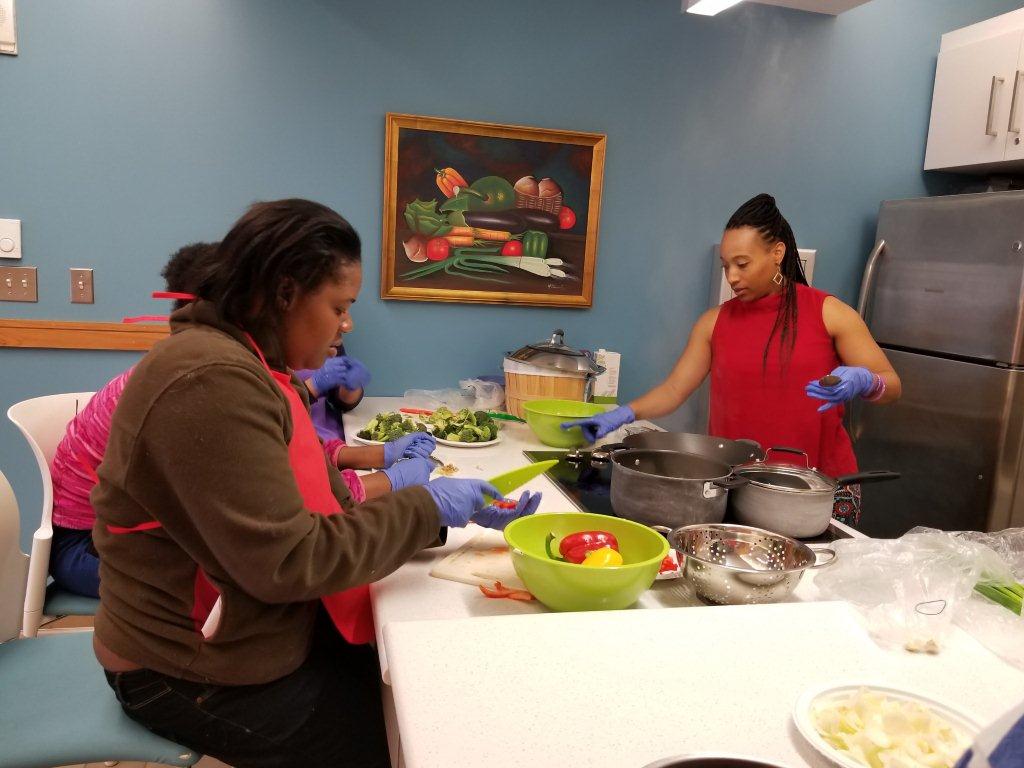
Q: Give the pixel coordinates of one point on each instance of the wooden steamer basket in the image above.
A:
(548, 370)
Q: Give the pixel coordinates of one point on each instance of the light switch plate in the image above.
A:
(10, 238)
(8, 28)
(81, 286)
(18, 284)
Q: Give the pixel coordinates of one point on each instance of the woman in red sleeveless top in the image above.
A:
(766, 350)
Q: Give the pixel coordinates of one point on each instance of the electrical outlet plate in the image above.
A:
(81, 286)
(8, 28)
(10, 238)
(18, 284)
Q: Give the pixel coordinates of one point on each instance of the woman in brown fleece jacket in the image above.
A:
(233, 564)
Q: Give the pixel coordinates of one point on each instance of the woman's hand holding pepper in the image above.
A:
(853, 382)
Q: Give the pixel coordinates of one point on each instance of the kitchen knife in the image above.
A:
(509, 481)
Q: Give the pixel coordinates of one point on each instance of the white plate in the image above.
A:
(451, 443)
(805, 723)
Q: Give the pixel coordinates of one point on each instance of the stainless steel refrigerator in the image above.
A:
(943, 294)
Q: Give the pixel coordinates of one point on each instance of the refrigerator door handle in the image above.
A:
(867, 282)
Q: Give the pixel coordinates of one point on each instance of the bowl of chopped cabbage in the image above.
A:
(867, 726)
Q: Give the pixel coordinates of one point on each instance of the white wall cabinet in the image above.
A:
(978, 102)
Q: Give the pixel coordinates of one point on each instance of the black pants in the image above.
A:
(325, 713)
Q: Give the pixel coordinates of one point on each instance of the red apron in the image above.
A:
(350, 610)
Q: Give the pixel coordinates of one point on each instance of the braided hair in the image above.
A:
(763, 215)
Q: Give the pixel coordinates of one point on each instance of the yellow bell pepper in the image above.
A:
(604, 557)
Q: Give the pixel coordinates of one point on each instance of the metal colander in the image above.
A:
(736, 564)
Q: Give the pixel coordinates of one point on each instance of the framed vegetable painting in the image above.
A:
(491, 214)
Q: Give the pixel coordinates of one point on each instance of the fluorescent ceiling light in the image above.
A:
(708, 7)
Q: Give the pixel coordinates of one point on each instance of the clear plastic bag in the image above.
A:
(911, 589)
(994, 626)
(475, 394)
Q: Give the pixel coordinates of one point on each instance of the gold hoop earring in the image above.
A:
(778, 279)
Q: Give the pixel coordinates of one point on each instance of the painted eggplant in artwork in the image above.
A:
(514, 220)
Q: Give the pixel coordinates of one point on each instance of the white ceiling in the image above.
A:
(833, 7)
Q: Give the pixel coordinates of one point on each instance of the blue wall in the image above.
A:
(131, 127)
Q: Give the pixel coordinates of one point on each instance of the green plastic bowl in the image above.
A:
(570, 587)
(546, 416)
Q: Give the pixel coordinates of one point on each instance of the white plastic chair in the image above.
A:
(55, 706)
(43, 421)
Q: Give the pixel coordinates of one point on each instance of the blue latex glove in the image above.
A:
(458, 500)
(596, 427)
(493, 517)
(411, 446)
(853, 382)
(344, 371)
(408, 472)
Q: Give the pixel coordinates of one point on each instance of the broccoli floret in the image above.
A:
(442, 413)
(408, 425)
(454, 437)
(394, 433)
(365, 434)
(492, 431)
(467, 435)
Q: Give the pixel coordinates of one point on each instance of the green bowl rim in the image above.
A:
(590, 515)
(528, 403)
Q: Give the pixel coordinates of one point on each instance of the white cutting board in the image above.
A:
(482, 560)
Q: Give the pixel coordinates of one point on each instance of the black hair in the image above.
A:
(274, 250)
(763, 214)
(186, 268)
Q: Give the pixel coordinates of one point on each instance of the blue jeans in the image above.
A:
(74, 563)
(325, 714)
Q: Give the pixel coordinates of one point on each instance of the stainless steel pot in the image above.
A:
(669, 488)
(738, 565)
(732, 452)
(791, 500)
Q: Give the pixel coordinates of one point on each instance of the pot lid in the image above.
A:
(783, 477)
(555, 353)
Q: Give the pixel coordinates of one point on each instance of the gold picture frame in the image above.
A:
(490, 214)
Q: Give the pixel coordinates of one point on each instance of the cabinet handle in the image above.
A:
(1013, 127)
(996, 82)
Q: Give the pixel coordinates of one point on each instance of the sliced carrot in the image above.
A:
(500, 590)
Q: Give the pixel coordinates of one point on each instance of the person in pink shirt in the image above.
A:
(74, 564)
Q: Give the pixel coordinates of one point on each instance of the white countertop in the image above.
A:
(411, 594)
(591, 689)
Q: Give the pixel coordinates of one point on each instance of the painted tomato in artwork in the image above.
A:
(566, 218)
(438, 249)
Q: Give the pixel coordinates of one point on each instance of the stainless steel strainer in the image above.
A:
(736, 564)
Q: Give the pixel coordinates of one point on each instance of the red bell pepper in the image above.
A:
(575, 547)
